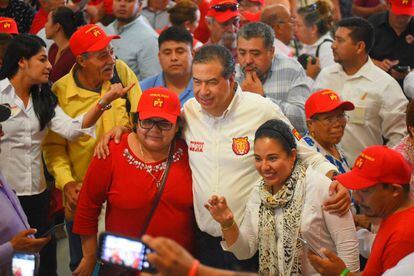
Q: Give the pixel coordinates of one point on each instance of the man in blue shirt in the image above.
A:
(175, 56)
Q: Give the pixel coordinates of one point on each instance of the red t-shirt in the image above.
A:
(39, 21)
(394, 241)
(202, 32)
(63, 65)
(130, 190)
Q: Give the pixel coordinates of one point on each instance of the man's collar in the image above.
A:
(365, 71)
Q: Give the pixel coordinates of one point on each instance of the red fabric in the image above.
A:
(63, 65)
(130, 191)
(39, 21)
(393, 242)
(202, 32)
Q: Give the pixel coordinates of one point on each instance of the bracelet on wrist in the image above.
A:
(194, 268)
(345, 272)
(228, 227)
(103, 106)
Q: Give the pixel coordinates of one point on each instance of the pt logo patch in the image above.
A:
(196, 146)
(241, 145)
(158, 102)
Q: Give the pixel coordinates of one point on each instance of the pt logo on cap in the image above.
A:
(241, 145)
(6, 25)
(95, 31)
(158, 102)
(360, 162)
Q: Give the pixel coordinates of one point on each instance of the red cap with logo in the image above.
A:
(8, 26)
(223, 10)
(325, 101)
(250, 16)
(375, 165)
(89, 38)
(402, 7)
(159, 102)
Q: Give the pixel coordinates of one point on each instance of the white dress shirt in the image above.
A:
(21, 154)
(379, 106)
(318, 227)
(221, 153)
(325, 51)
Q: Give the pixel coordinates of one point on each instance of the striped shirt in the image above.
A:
(286, 85)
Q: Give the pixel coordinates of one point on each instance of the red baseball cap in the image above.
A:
(325, 101)
(402, 7)
(8, 26)
(89, 38)
(159, 102)
(223, 10)
(250, 16)
(377, 164)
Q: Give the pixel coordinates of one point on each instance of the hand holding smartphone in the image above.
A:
(50, 231)
(311, 248)
(127, 252)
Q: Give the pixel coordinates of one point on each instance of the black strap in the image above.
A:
(320, 44)
(117, 79)
(160, 190)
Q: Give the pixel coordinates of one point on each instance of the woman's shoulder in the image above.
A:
(317, 184)
(123, 143)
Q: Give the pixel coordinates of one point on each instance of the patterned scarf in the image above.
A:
(281, 255)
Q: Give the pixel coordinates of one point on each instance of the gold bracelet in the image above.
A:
(228, 227)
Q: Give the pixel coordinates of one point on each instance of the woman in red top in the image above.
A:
(129, 177)
(61, 24)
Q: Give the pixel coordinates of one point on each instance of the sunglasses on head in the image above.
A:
(225, 7)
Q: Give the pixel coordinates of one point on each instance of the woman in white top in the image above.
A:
(313, 26)
(24, 86)
(285, 205)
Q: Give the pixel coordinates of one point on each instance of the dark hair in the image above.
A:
(4, 42)
(258, 30)
(409, 118)
(278, 130)
(319, 14)
(183, 11)
(361, 30)
(177, 34)
(68, 19)
(209, 53)
(25, 46)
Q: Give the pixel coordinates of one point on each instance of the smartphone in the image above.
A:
(49, 231)
(311, 248)
(24, 264)
(123, 251)
(402, 69)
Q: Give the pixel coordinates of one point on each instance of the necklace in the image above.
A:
(149, 169)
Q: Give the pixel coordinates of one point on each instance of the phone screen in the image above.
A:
(23, 264)
(311, 248)
(126, 252)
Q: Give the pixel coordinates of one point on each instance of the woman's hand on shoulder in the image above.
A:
(219, 210)
(102, 148)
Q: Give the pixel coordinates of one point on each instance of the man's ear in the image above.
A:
(397, 190)
(361, 47)
(80, 60)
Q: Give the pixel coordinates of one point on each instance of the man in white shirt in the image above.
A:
(380, 104)
(138, 46)
(269, 74)
(219, 128)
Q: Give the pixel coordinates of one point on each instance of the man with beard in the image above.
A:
(175, 56)
(269, 74)
(78, 91)
(223, 20)
(379, 101)
(138, 44)
(380, 175)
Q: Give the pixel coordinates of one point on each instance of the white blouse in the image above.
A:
(21, 152)
(318, 227)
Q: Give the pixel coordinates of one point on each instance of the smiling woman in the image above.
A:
(285, 204)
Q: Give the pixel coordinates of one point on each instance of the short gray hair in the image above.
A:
(258, 30)
(209, 53)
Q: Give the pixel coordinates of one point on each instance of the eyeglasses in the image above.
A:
(331, 120)
(150, 123)
(225, 7)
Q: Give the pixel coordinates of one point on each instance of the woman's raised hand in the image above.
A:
(217, 206)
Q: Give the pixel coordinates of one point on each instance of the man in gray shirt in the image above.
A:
(138, 46)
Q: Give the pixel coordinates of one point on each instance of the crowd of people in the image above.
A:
(233, 137)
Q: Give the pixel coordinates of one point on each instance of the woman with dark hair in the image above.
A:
(284, 207)
(24, 87)
(313, 26)
(61, 24)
